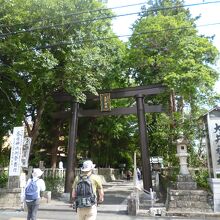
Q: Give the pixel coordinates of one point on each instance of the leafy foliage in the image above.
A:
(201, 178)
(49, 45)
(55, 185)
(3, 179)
(165, 48)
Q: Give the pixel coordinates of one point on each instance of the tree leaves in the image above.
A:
(35, 56)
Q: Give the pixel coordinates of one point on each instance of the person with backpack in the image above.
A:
(87, 192)
(32, 193)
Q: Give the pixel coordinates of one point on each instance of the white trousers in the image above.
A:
(87, 213)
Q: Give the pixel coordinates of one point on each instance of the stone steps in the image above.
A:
(198, 214)
(189, 210)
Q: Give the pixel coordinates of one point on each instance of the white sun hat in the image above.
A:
(87, 166)
(37, 172)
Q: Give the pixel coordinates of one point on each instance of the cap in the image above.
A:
(87, 165)
(37, 172)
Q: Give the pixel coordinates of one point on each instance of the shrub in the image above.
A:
(201, 177)
(55, 185)
(3, 179)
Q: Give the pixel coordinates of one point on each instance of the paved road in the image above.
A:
(53, 215)
(114, 208)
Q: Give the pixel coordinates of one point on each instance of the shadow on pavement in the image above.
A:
(120, 212)
(115, 197)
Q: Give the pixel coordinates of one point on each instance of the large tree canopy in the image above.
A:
(165, 48)
(52, 45)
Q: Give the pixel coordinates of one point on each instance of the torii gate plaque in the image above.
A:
(138, 93)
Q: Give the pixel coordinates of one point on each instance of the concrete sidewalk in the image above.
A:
(116, 194)
(115, 204)
(113, 208)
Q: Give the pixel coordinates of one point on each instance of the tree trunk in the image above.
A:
(172, 108)
(33, 131)
(54, 150)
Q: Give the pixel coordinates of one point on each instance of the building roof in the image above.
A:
(216, 108)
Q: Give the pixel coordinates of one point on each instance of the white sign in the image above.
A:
(16, 151)
(25, 152)
(22, 180)
(214, 135)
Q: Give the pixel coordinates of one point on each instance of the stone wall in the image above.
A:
(10, 198)
(188, 201)
(109, 174)
(215, 187)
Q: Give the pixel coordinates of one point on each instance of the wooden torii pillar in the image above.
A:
(146, 168)
(71, 146)
(140, 109)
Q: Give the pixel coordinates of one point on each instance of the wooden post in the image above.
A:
(146, 169)
(71, 148)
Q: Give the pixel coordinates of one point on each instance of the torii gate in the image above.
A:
(138, 93)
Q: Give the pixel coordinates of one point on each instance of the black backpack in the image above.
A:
(85, 197)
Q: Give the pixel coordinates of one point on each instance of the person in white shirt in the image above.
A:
(33, 204)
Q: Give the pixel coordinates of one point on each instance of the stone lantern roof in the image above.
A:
(182, 140)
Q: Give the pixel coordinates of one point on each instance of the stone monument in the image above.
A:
(10, 197)
(211, 126)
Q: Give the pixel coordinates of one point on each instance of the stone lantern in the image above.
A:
(182, 154)
(183, 197)
(184, 179)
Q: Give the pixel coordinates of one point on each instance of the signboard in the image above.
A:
(213, 123)
(105, 101)
(22, 180)
(25, 152)
(16, 151)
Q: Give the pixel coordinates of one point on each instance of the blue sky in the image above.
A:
(210, 14)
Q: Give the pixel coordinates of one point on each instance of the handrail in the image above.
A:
(151, 193)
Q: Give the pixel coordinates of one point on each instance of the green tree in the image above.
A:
(49, 46)
(165, 48)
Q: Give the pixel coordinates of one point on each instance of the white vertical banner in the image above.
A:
(16, 151)
(25, 151)
(214, 135)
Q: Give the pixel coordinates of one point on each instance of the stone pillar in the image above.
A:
(41, 165)
(133, 204)
(10, 198)
(13, 182)
(215, 186)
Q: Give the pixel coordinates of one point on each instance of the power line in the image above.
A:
(120, 36)
(61, 25)
(75, 13)
(100, 18)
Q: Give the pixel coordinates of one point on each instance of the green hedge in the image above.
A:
(3, 179)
